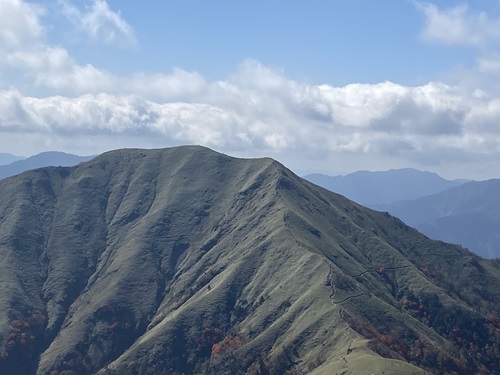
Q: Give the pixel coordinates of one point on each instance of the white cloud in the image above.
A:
(459, 25)
(24, 53)
(254, 111)
(53, 68)
(234, 114)
(19, 23)
(99, 22)
(464, 26)
(178, 85)
(489, 64)
(422, 125)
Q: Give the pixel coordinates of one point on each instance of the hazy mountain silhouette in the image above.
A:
(44, 159)
(468, 215)
(9, 158)
(370, 188)
(184, 260)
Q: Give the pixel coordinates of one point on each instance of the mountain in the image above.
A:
(184, 260)
(44, 159)
(468, 215)
(9, 158)
(372, 188)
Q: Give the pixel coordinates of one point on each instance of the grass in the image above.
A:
(183, 260)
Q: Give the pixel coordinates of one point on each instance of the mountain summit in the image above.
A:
(184, 260)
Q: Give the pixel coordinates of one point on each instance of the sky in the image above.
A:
(325, 86)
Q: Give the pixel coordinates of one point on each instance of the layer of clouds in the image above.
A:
(270, 112)
(459, 25)
(254, 111)
(19, 24)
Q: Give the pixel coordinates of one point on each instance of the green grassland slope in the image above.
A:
(186, 261)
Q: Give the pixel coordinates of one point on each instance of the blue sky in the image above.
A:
(336, 42)
(328, 86)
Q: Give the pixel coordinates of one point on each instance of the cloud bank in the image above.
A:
(254, 111)
(262, 109)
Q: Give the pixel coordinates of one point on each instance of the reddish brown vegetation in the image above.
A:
(472, 346)
(223, 348)
(428, 270)
(23, 332)
(208, 337)
(22, 343)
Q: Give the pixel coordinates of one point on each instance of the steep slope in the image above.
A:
(187, 261)
(468, 215)
(44, 159)
(384, 187)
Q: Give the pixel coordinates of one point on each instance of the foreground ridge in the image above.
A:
(183, 260)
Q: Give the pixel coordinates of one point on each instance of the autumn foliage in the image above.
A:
(223, 348)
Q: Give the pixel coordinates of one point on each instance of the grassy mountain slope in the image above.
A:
(187, 261)
(384, 187)
(467, 215)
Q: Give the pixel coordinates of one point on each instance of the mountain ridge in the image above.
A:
(466, 214)
(186, 260)
(44, 159)
(6, 158)
(383, 187)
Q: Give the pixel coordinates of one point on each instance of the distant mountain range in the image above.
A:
(187, 261)
(44, 159)
(9, 158)
(372, 188)
(458, 211)
(468, 215)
